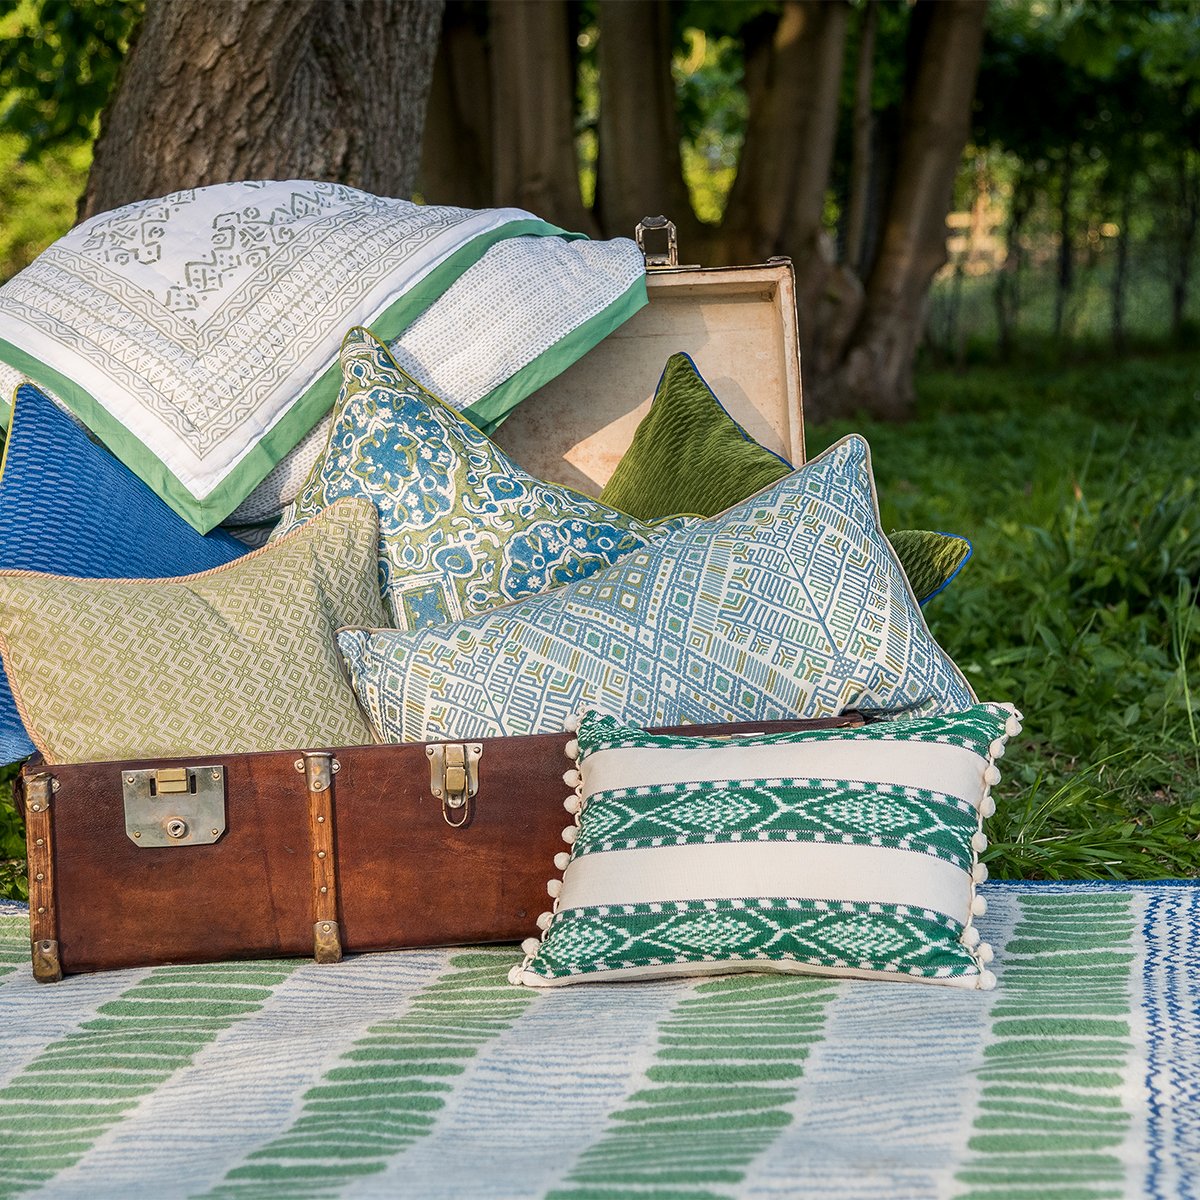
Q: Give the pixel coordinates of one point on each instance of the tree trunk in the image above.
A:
(533, 111)
(1066, 260)
(876, 375)
(456, 153)
(793, 82)
(1121, 267)
(1007, 294)
(1189, 220)
(864, 129)
(777, 203)
(639, 172)
(268, 89)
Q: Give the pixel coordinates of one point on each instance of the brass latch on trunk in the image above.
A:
(174, 806)
(454, 777)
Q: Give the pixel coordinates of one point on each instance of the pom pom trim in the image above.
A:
(573, 778)
(980, 951)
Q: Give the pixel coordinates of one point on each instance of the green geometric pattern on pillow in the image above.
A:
(690, 456)
(235, 659)
(840, 852)
(462, 528)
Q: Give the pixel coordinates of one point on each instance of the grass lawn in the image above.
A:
(1080, 489)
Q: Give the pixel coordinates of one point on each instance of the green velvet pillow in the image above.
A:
(690, 456)
(930, 560)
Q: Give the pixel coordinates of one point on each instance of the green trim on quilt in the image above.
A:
(785, 810)
(713, 1103)
(845, 934)
(387, 1089)
(1049, 1120)
(316, 400)
(56, 1109)
(488, 414)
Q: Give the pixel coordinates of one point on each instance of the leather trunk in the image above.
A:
(292, 853)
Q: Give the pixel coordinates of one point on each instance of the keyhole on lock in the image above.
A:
(176, 828)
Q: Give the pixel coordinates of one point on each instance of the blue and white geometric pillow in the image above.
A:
(462, 528)
(792, 604)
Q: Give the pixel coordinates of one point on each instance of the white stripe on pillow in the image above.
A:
(728, 870)
(932, 766)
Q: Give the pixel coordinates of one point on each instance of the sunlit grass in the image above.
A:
(1080, 489)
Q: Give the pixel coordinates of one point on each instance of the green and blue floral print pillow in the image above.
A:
(851, 852)
(462, 528)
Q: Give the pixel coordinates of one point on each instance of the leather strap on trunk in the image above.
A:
(39, 792)
(319, 770)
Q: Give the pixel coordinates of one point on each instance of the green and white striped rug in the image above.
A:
(425, 1074)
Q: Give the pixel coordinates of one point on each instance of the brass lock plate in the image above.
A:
(454, 776)
(174, 806)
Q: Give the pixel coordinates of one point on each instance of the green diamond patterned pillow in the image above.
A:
(462, 528)
(234, 659)
(850, 852)
(690, 456)
(930, 560)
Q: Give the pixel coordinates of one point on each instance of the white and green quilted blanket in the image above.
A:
(425, 1074)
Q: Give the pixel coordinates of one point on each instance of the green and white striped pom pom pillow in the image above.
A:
(851, 852)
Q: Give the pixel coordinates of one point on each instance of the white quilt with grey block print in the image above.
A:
(192, 333)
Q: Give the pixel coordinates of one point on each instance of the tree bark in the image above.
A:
(1066, 260)
(268, 89)
(533, 111)
(456, 152)
(876, 375)
(793, 82)
(1188, 181)
(1121, 267)
(863, 138)
(1007, 293)
(639, 172)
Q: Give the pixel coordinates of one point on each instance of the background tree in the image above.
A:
(833, 132)
(268, 89)
(861, 321)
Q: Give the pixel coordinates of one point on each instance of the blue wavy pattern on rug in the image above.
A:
(68, 507)
(1171, 1007)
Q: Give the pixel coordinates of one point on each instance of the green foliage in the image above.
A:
(963, 326)
(38, 199)
(14, 882)
(713, 112)
(1079, 489)
(59, 60)
(58, 63)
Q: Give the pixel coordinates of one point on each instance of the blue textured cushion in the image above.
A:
(792, 604)
(69, 508)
